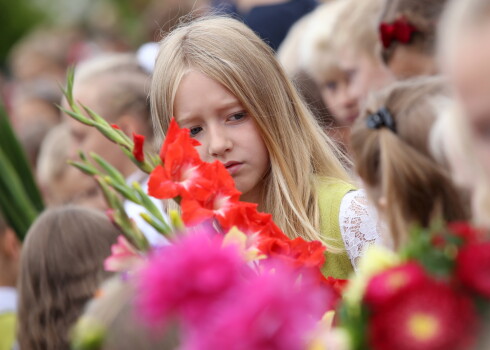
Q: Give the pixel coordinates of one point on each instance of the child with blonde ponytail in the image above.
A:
(223, 83)
(390, 142)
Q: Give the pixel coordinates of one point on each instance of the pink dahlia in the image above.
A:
(185, 280)
(275, 310)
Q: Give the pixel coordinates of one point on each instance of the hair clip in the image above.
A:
(400, 30)
(380, 119)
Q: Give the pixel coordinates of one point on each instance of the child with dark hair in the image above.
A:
(60, 269)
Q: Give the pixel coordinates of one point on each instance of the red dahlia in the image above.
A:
(387, 284)
(429, 317)
(465, 231)
(473, 267)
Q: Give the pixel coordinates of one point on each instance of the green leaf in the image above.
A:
(18, 209)
(17, 158)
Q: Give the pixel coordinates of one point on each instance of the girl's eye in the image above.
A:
(238, 116)
(195, 130)
(351, 73)
(482, 128)
(331, 85)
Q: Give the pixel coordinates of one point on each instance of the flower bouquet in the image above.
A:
(433, 295)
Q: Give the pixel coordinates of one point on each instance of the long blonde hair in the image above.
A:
(399, 163)
(356, 27)
(230, 53)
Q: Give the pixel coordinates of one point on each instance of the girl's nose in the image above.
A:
(347, 98)
(220, 142)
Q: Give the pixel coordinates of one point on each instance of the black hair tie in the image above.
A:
(381, 119)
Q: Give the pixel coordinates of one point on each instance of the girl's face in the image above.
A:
(336, 95)
(470, 75)
(365, 74)
(407, 62)
(217, 119)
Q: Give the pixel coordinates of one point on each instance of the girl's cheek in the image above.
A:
(202, 151)
(483, 153)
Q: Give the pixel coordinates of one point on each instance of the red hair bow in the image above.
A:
(401, 30)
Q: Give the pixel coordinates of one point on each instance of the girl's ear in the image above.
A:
(10, 245)
(382, 203)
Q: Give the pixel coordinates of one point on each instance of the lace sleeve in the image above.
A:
(359, 224)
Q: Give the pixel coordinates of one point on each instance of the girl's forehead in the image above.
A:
(197, 91)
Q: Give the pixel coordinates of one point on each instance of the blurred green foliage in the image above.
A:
(16, 19)
(20, 199)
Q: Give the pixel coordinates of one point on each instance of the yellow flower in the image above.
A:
(333, 339)
(375, 260)
(245, 243)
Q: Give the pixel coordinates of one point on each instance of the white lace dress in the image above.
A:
(359, 225)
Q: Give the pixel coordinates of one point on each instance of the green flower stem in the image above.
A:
(124, 190)
(160, 226)
(147, 202)
(116, 176)
(85, 168)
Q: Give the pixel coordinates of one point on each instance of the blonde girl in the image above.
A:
(390, 142)
(223, 83)
(61, 267)
(318, 58)
(358, 48)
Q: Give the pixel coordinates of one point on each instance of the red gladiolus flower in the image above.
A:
(473, 267)
(115, 126)
(175, 134)
(297, 252)
(247, 219)
(139, 141)
(338, 285)
(429, 317)
(181, 173)
(384, 286)
(213, 200)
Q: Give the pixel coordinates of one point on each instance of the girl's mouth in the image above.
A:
(232, 166)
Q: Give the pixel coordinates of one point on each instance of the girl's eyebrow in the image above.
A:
(187, 120)
(227, 105)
